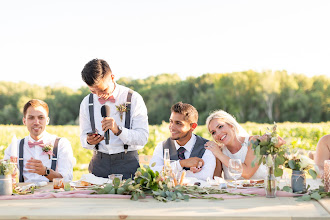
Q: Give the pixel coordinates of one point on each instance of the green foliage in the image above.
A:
(147, 182)
(6, 167)
(297, 160)
(249, 96)
(315, 194)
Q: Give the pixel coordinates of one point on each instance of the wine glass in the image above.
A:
(235, 169)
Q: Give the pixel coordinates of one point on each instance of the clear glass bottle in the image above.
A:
(167, 161)
(15, 173)
(270, 183)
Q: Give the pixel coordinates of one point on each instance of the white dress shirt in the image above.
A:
(135, 138)
(64, 163)
(208, 157)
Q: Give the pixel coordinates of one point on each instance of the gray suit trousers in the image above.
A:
(103, 164)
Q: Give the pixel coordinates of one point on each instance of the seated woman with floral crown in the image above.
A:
(231, 141)
(322, 152)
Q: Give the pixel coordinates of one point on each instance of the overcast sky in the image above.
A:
(49, 42)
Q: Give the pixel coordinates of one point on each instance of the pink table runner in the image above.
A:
(87, 194)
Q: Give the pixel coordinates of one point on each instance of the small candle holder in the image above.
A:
(113, 176)
(58, 183)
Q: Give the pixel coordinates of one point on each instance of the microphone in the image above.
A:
(105, 112)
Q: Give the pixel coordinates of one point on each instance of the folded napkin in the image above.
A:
(91, 178)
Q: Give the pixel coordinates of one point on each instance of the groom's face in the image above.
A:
(179, 128)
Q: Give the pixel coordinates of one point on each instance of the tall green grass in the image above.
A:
(297, 135)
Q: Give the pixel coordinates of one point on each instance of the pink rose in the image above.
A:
(264, 139)
(280, 142)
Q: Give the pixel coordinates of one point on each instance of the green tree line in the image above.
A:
(261, 97)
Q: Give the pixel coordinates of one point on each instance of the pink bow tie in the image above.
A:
(39, 143)
(111, 99)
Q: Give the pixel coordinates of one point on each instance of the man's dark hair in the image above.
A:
(94, 71)
(35, 103)
(190, 113)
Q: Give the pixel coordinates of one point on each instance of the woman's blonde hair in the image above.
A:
(225, 117)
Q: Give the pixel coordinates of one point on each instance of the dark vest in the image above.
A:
(197, 151)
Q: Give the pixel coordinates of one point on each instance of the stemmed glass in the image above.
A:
(235, 169)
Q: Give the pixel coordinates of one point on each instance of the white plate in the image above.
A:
(76, 184)
(241, 183)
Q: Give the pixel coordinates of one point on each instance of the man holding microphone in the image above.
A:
(120, 111)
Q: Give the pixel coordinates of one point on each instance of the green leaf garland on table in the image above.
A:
(148, 182)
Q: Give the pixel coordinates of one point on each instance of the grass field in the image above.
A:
(297, 135)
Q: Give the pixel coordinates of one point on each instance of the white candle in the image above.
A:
(13, 145)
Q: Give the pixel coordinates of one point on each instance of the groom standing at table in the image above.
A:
(185, 147)
(42, 156)
(126, 121)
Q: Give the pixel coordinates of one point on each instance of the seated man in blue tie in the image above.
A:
(184, 146)
(42, 156)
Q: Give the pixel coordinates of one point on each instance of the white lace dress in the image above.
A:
(241, 154)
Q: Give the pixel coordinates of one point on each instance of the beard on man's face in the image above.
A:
(178, 138)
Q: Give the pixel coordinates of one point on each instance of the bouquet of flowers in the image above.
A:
(301, 162)
(269, 149)
(6, 167)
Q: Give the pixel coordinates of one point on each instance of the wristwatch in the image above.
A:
(120, 129)
(47, 171)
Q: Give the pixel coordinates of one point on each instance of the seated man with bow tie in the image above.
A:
(184, 146)
(42, 156)
(116, 136)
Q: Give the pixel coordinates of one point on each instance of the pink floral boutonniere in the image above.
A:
(121, 109)
(48, 149)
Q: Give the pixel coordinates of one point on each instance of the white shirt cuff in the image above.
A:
(123, 135)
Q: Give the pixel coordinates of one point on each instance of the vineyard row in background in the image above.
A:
(297, 135)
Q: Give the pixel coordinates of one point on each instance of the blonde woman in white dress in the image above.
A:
(231, 141)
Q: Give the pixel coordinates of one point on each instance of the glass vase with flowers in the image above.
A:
(6, 169)
(300, 164)
(269, 149)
